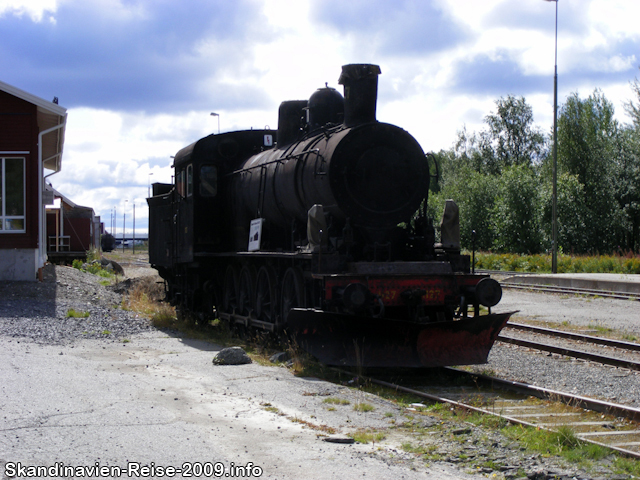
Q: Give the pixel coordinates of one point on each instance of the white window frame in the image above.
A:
(3, 192)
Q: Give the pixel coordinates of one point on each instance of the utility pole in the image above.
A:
(134, 228)
(124, 216)
(554, 213)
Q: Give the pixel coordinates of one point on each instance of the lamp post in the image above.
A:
(149, 186)
(124, 216)
(213, 114)
(554, 213)
(133, 245)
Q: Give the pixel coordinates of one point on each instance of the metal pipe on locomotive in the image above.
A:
(319, 229)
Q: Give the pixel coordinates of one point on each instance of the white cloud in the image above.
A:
(37, 10)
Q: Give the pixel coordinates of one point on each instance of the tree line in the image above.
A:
(501, 179)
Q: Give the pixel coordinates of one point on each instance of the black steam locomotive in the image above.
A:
(319, 229)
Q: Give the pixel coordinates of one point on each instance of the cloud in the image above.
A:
(401, 28)
(158, 55)
(36, 10)
(495, 76)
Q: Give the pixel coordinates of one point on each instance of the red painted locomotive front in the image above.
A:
(390, 289)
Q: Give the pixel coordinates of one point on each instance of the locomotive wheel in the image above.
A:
(266, 296)
(246, 289)
(230, 292)
(292, 293)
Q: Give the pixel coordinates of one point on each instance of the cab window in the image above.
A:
(180, 183)
(189, 180)
(208, 181)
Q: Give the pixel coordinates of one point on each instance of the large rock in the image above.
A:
(111, 264)
(231, 356)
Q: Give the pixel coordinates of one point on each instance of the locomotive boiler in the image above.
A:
(319, 230)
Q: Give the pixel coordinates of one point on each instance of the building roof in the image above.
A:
(50, 115)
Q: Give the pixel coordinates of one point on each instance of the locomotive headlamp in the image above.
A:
(356, 296)
(488, 292)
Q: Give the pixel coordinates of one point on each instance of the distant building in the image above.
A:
(31, 140)
(72, 229)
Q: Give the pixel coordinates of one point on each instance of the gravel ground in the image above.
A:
(621, 315)
(37, 312)
(563, 374)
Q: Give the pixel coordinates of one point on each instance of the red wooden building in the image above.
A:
(31, 140)
(72, 229)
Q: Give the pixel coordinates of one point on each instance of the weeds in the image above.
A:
(562, 442)
(621, 263)
(336, 401)
(94, 267)
(363, 407)
(71, 313)
(368, 436)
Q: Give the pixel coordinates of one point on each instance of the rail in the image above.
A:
(607, 430)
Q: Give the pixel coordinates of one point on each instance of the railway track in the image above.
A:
(595, 421)
(558, 289)
(572, 291)
(608, 424)
(568, 351)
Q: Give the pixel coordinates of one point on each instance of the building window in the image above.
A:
(12, 195)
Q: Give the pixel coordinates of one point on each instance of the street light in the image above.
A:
(133, 245)
(213, 114)
(124, 216)
(554, 213)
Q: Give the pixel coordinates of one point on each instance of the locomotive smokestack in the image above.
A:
(360, 93)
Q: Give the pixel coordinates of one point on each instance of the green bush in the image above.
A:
(626, 264)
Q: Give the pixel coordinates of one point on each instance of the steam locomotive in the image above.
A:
(319, 229)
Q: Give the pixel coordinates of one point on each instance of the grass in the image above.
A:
(270, 408)
(601, 329)
(563, 443)
(94, 268)
(589, 329)
(363, 407)
(368, 436)
(146, 297)
(628, 263)
(72, 313)
(336, 401)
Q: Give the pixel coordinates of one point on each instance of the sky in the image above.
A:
(140, 78)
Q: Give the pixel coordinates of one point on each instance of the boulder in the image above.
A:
(112, 265)
(231, 356)
(280, 357)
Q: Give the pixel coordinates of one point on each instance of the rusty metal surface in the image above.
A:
(350, 340)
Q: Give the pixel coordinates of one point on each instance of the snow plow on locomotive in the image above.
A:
(319, 229)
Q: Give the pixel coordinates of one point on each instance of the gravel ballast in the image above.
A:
(40, 311)
(556, 372)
